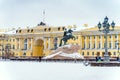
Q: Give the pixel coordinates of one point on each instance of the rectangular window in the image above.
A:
(110, 36)
(87, 53)
(13, 46)
(18, 46)
(115, 44)
(99, 45)
(104, 36)
(104, 45)
(25, 46)
(84, 45)
(6, 39)
(89, 45)
(17, 39)
(24, 54)
(89, 37)
(116, 36)
(94, 45)
(93, 53)
(99, 37)
(76, 37)
(84, 37)
(114, 53)
(110, 45)
(30, 46)
(83, 53)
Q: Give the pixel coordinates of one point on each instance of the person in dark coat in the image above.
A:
(39, 58)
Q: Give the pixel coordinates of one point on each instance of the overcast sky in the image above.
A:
(23, 13)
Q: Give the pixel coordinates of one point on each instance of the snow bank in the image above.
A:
(73, 55)
(52, 55)
(55, 71)
(66, 52)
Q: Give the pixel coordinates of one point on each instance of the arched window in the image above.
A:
(31, 53)
(20, 31)
(45, 29)
(88, 53)
(58, 28)
(28, 30)
(13, 46)
(16, 31)
(25, 44)
(63, 28)
(24, 54)
(49, 29)
(93, 53)
(31, 30)
(83, 53)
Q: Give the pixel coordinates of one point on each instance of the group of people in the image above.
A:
(98, 59)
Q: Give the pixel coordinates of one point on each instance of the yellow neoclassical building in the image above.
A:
(40, 41)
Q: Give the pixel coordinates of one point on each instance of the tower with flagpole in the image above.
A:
(44, 16)
(43, 21)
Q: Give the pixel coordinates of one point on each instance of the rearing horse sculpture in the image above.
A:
(67, 35)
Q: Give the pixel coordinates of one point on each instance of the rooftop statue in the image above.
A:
(41, 24)
(66, 36)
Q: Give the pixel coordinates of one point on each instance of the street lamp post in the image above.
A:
(105, 28)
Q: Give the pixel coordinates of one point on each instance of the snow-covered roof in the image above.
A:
(80, 28)
(10, 32)
(2, 32)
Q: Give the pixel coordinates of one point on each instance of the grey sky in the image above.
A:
(23, 13)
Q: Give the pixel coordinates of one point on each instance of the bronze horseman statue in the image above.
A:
(66, 36)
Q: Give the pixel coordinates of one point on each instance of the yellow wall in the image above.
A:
(83, 38)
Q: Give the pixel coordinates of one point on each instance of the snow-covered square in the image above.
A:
(16, 70)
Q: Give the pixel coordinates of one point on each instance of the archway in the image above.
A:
(38, 48)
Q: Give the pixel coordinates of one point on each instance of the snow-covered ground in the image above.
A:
(55, 71)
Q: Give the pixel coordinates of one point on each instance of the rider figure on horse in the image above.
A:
(67, 35)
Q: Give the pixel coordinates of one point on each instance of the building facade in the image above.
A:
(42, 40)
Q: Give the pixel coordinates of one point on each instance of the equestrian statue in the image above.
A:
(66, 36)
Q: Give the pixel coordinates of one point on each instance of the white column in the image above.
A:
(19, 42)
(85, 42)
(44, 43)
(101, 42)
(49, 43)
(58, 40)
(81, 41)
(90, 42)
(16, 44)
(111, 41)
(31, 43)
(95, 41)
(117, 41)
(27, 43)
